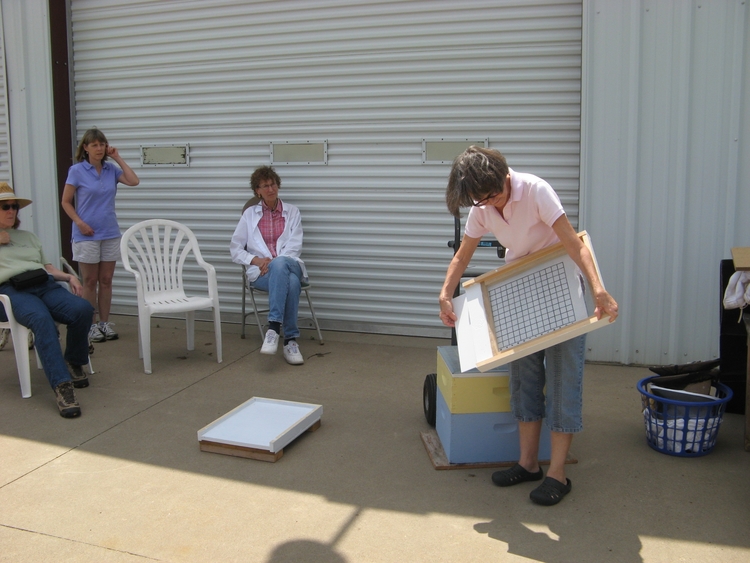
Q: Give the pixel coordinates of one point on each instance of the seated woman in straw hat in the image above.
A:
(39, 302)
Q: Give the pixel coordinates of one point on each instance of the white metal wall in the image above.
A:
(28, 86)
(373, 79)
(5, 160)
(665, 168)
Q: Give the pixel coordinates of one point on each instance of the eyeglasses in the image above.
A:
(484, 200)
(7, 206)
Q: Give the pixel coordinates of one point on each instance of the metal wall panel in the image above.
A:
(28, 72)
(372, 79)
(665, 168)
(5, 159)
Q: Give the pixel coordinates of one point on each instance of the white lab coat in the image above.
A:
(247, 242)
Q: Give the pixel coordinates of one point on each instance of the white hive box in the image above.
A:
(260, 428)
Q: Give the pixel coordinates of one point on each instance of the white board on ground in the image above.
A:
(265, 424)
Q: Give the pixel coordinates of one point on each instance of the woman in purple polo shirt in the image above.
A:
(89, 200)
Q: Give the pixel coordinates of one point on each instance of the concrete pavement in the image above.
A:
(127, 482)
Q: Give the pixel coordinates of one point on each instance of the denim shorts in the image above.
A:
(559, 369)
(95, 251)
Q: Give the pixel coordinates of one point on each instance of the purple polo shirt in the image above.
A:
(95, 199)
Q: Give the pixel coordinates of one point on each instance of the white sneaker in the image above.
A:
(107, 330)
(271, 343)
(292, 354)
(95, 334)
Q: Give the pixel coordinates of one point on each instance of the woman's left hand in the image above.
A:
(113, 152)
(263, 265)
(605, 303)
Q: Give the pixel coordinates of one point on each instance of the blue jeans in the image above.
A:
(560, 368)
(38, 308)
(283, 283)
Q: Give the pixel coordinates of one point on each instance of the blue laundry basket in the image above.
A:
(682, 428)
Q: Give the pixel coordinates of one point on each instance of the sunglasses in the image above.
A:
(7, 206)
(484, 200)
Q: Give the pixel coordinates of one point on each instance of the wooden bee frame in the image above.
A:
(523, 307)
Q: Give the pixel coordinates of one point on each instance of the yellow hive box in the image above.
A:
(471, 391)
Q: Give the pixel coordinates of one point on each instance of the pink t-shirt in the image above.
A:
(526, 223)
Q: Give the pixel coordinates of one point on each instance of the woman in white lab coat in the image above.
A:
(268, 240)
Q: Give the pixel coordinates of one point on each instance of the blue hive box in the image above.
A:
(488, 437)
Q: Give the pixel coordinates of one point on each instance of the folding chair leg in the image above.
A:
(244, 293)
(314, 318)
(257, 318)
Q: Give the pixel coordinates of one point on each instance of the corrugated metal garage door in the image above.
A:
(5, 168)
(373, 80)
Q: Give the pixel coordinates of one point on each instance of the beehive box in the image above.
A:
(486, 437)
(471, 391)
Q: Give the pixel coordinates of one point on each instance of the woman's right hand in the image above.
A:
(453, 277)
(85, 229)
(447, 315)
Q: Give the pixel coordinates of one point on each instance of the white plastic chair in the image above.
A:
(20, 335)
(155, 251)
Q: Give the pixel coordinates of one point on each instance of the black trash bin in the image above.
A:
(732, 346)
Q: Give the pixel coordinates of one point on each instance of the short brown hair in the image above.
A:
(263, 173)
(476, 173)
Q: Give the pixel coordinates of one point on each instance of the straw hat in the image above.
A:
(7, 193)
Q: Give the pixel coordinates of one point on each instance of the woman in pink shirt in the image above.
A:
(525, 215)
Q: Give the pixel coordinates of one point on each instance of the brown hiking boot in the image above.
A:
(80, 379)
(66, 400)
